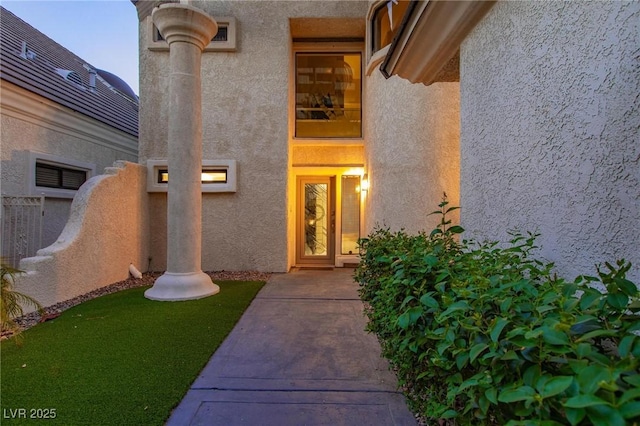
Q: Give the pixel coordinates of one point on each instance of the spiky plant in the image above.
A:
(12, 302)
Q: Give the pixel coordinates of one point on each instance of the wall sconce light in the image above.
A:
(364, 184)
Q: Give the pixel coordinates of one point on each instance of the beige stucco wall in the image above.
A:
(245, 118)
(412, 151)
(550, 130)
(107, 230)
(31, 123)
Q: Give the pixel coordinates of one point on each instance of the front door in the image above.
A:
(316, 216)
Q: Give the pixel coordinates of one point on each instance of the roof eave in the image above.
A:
(426, 47)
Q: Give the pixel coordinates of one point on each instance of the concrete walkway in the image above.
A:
(298, 356)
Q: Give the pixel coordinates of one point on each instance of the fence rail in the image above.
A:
(21, 222)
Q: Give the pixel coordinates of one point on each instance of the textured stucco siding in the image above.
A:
(24, 131)
(412, 151)
(245, 118)
(106, 231)
(550, 136)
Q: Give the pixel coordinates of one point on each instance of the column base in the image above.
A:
(175, 287)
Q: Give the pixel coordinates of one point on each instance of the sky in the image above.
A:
(103, 33)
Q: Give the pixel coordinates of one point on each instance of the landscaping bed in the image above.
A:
(481, 333)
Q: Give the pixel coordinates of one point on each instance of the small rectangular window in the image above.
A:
(223, 41)
(328, 95)
(207, 176)
(52, 176)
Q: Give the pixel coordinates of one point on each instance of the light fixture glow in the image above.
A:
(364, 184)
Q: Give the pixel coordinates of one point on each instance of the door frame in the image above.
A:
(301, 258)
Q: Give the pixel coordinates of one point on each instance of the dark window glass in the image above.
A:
(51, 176)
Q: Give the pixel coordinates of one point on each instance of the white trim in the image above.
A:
(153, 166)
(214, 46)
(27, 106)
(39, 157)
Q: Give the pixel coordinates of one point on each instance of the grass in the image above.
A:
(117, 360)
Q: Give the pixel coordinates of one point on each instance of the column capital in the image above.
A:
(183, 23)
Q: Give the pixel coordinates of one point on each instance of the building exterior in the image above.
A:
(63, 122)
(316, 121)
(293, 97)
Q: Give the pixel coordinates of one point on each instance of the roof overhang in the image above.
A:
(426, 48)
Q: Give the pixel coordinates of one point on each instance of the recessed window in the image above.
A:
(224, 40)
(207, 175)
(216, 176)
(385, 22)
(57, 177)
(328, 95)
(52, 176)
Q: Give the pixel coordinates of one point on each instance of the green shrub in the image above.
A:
(12, 302)
(485, 334)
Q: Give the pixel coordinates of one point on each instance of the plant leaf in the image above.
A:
(575, 415)
(617, 300)
(555, 337)
(497, 328)
(522, 393)
(556, 385)
(492, 395)
(456, 229)
(449, 414)
(604, 415)
(630, 410)
(429, 301)
(582, 401)
(477, 350)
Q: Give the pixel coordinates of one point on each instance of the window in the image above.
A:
(208, 175)
(52, 176)
(223, 41)
(57, 177)
(350, 214)
(328, 95)
(216, 176)
(385, 22)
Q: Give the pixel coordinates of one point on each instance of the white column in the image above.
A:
(187, 30)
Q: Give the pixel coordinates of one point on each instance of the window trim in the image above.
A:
(58, 162)
(328, 47)
(229, 166)
(374, 57)
(229, 45)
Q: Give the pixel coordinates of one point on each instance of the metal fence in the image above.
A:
(21, 222)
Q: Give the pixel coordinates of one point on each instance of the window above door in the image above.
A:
(328, 94)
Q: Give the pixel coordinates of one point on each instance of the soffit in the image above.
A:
(318, 28)
(427, 47)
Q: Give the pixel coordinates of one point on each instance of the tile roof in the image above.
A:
(33, 61)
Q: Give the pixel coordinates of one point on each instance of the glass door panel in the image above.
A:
(350, 214)
(316, 220)
(316, 227)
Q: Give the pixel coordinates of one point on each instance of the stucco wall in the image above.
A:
(412, 151)
(107, 230)
(31, 123)
(550, 134)
(245, 118)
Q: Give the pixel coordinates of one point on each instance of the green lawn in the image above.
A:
(116, 360)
